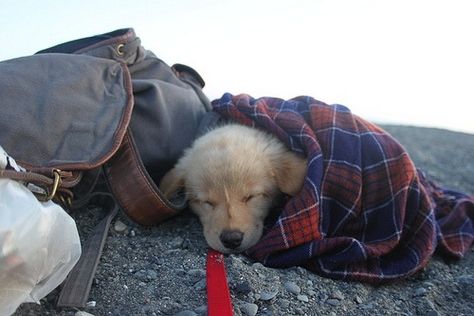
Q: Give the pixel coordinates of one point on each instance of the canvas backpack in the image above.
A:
(101, 107)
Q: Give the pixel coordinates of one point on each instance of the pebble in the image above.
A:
(243, 288)
(120, 227)
(151, 275)
(303, 298)
(176, 242)
(284, 303)
(421, 291)
(337, 295)
(91, 304)
(200, 285)
(333, 301)
(81, 313)
(186, 313)
(132, 233)
(292, 287)
(199, 273)
(266, 296)
(358, 300)
(249, 309)
(201, 310)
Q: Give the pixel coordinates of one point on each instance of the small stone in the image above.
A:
(151, 275)
(132, 233)
(120, 227)
(312, 293)
(200, 285)
(292, 287)
(358, 300)
(81, 313)
(199, 273)
(303, 298)
(332, 314)
(176, 242)
(201, 310)
(243, 288)
(299, 311)
(266, 296)
(337, 295)
(284, 303)
(91, 304)
(257, 266)
(186, 313)
(249, 309)
(333, 301)
(420, 292)
(125, 286)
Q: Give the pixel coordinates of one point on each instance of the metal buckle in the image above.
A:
(54, 189)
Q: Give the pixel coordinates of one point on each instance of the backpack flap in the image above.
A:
(63, 111)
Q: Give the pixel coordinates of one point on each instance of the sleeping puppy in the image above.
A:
(231, 176)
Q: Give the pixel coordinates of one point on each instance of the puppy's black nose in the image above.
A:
(231, 238)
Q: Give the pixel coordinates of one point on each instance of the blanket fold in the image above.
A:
(365, 212)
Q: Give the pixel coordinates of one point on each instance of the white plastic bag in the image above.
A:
(39, 244)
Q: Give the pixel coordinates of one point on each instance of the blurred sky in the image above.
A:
(400, 61)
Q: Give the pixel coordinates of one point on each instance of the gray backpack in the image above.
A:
(101, 105)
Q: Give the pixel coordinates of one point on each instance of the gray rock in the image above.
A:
(249, 309)
(200, 285)
(421, 291)
(284, 304)
(333, 302)
(337, 295)
(120, 227)
(186, 313)
(201, 310)
(292, 287)
(266, 296)
(81, 313)
(176, 242)
(303, 298)
(151, 275)
(358, 300)
(199, 273)
(466, 285)
(243, 288)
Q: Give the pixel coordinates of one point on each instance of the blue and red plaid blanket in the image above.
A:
(365, 212)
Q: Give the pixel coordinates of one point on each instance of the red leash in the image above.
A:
(218, 297)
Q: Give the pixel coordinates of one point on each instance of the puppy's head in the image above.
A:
(231, 176)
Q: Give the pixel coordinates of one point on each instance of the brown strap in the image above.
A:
(133, 188)
(76, 288)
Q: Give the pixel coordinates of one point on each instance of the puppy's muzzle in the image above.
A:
(231, 239)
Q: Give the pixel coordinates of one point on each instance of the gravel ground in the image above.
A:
(160, 270)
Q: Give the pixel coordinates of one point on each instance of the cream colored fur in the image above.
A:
(231, 176)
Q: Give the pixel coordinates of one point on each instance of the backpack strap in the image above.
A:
(75, 290)
(133, 187)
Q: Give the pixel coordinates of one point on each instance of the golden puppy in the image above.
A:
(231, 176)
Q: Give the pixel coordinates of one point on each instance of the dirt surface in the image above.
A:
(160, 270)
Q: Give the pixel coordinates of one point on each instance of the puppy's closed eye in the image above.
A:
(252, 197)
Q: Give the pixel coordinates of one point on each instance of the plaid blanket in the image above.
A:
(365, 212)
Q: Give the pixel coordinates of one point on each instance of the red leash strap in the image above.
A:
(218, 297)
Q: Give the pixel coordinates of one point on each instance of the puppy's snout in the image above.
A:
(231, 238)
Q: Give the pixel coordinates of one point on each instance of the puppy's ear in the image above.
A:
(171, 182)
(290, 171)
